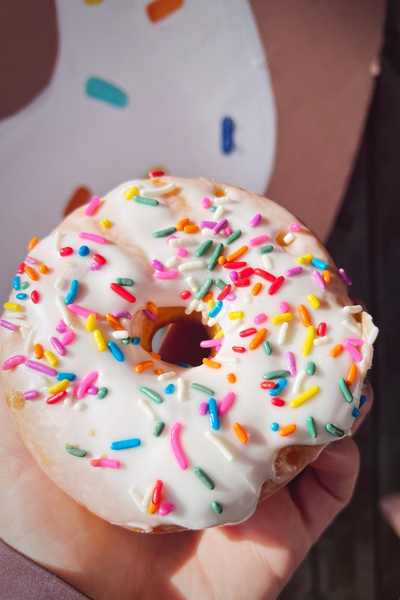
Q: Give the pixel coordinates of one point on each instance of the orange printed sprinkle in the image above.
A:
(152, 508)
(237, 254)
(209, 296)
(142, 366)
(213, 364)
(192, 228)
(304, 315)
(38, 350)
(152, 307)
(31, 272)
(336, 350)
(32, 243)
(231, 378)
(256, 289)
(327, 276)
(351, 374)
(287, 429)
(240, 433)
(221, 260)
(160, 9)
(114, 322)
(155, 355)
(158, 371)
(44, 269)
(182, 223)
(258, 339)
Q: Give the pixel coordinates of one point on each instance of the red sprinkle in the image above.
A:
(247, 332)
(118, 289)
(99, 259)
(277, 401)
(21, 268)
(321, 329)
(158, 173)
(240, 349)
(265, 274)
(242, 282)
(66, 251)
(267, 385)
(35, 296)
(247, 272)
(274, 287)
(56, 397)
(235, 265)
(185, 294)
(157, 492)
(225, 292)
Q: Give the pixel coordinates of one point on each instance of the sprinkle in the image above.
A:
(169, 389)
(283, 333)
(97, 261)
(63, 375)
(100, 340)
(121, 291)
(216, 310)
(81, 310)
(56, 398)
(7, 325)
(234, 236)
(32, 274)
(304, 397)
(116, 351)
(318, 280)
(202, 388)
(265, 274)
(86, 383)
(125, 444)
(345, 391)
(295, 227)
(352, 309)
(166, 508)
(298, 382)
(220, 225)
(304, 260)
(267, 348)
(59, 387)
(311, 368)
(31, 394)
(167, 375)
(336, 350)
(180, 389)
(265, 249)
(203, 408)
(355, 412)
(161, 233)
(287, 429)
(105, 91)
(105, 223)
(311, 427)
(314, 301)
(278, 401)
(258, 339)
(13, 362)
(51, 358)
(239, 349)
(294, 271)
(351, 374)
(32, 243)
(363, 400)
(237, 254)
(275, 426)
(121, 334)
(75, 451)
(16, 282)
(255, 220)
(21, 296)
(93, 237)
(126, 281)
(219, 443)
(35, 296)
(282, 318)
(321, 329)
(309, 341)
(158, 428)
(260, 318)
(146, 201)
(227, 135)
(291, 363)
(226, 403)
(36, 366)
(274, 287)
(107, 463)
(92, 206)
(354, 352)
(256, 289)
(204, 289)
(152, 394)
(13, 307)
(319, 341)
(204, 478)
(213, 413)
(288, 238)
(177, 447)
(240, 432)
(214, 256)
(304, 315)
(204, 248)
(334, 430)
(345, 278)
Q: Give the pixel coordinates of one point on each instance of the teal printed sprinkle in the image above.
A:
(333, 430)
(75, 451)
(158, 428)
(267, 348)
(164, 232)
(105, 91)
(204, 247)
(220, 283)
(125, 281)
(102, 393)
(126, 341)
(152, 394)
(265, 249)
(215, 256)
(25, 285)
(234, 236)
(217, 507)
(276, 374)
(311, 427)
(204, 478)
(146, 201)
(202, 388)
(204, 289)
(346, 393)
(311, 368)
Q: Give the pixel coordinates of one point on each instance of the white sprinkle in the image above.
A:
(267, 261)
(283, 333)
(157, 191)
(221, 200)
(57, 239)
(218, 213)
(79, 406)
(228, 360)
(320, 341)
(147, 497)
(352, 309)
(147, 409)
(298, 382)
(172, 261)
(68, 402)
(208, 233)
(60, 283)
(353, 327)
(177, 242)
(192, 283)
(181, 389)
(137, 498)
(373, 335)
(192, 265)
(289, 238)
(166, 376)
(211, 322)
(65, 314)
(219, 443)
(192, 306)
(120, 334)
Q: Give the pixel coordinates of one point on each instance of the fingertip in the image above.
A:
(390, 507)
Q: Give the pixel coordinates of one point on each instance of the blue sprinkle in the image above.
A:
(280, 385)
(213, 208)
(21, 296)
(318, 263)
(116, 351)
(355, 412)
(103, 90)
(83, 250)
(72, 292)
(217, 308)
(169, 389)
(363, 400)
(16, 282)
(124, 444)
(69, 376)
(275, 426)
(213, 413)
(227, 134)
(135, 340)
(184, 365)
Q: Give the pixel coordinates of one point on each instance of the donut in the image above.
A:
(178, 350)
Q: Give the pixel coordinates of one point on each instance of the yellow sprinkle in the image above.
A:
(236, 314)
(51, 358)
(210, 304)
(105, 223)
(100, 341)
(305, 259)
(309, 341)
(256, 289)
(237, 254)
(91, 322)
(43, 269)
(131, 192)
(13, 306)
(258, 338)
(302, 398)
(213, 364)
(219, 334)
(287, 429)
(314, 301)
(59, 387)
(282, 318)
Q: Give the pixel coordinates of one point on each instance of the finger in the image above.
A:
(366, 407)
(327, 485)
(390, 506)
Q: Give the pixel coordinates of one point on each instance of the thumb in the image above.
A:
(390, 506)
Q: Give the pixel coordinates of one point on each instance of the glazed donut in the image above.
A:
(177, 349)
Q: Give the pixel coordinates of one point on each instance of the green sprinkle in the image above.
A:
(102, 393)
(311, 368)
(126, 341)
(267, 348)
(215, 256)
(147, 201)
(276, 374)
(204, 289)
(346, 393)
(152, 394)
(234, 236)
(75, 451)
(203, 388)
(217, 507)
(204, 247)
(158, 428)
(220, 283)
(333, 430)
(265, 249)
(25, 285)
(311, 428)
(164, 232)
(204, 478)
(125, 281)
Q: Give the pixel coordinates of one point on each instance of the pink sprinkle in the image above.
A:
(231, 296)
(234, 275)
(105, 463)
(58, 346)
(31, 261)
(318, 279)
(8, 325)
(226, 403)
(260, 239)
(93, 390)
(284, 307)
(176, 446)
(123, 314)
(31, 394)
(208, 224)
(211, 343)
(256, 220)
(206, 202)
(182, 252)
(171, 274)
(68, 337)
(354, 341)
(294, 271)
(82, 311)
(13, 361)
(295, 227)
(203, 408)
(260, 318)
(61, 327)
(86, 383)
(220, 225)
(291, 363)
(165, 508)
(92, 206)
(345, 277)
(93, 237)
(157, 265)
(150, 315)
(354, 352)
(42, 368)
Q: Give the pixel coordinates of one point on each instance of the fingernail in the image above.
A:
(390, 506)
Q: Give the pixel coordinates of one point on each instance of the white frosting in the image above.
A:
(238, 470)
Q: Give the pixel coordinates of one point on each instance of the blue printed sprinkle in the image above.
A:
(227, 135)
(105, 91)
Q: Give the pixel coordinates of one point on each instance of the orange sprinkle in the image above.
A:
(336, 350)
(209, 296)
(151, 508)
(182, 223)
(158, 371)
(32, 243)
(258, 338)
(44, 269)
(191, 228)
(221, 260)
(351, 374)
(213, 364)
(31, 272)
(151, 307)
(155, 355)
(142, 366)
(231, 378)
(240, 433)
(256, 289)
(237, 254)
(114, 322)
(287, 429)
(38, 350)
(327, 276)
(160, 9)
(304, 315)
(219, 191)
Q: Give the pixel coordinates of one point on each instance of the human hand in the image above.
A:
(390, 506)
(254, 559)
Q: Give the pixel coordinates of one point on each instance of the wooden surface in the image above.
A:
(359, 556)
